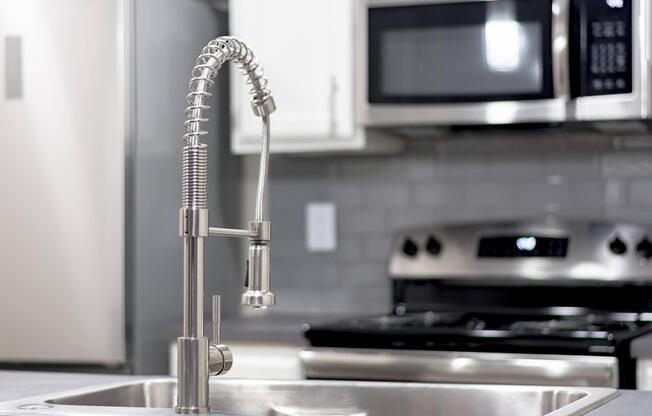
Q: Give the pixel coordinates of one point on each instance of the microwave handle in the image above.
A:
(560, 55)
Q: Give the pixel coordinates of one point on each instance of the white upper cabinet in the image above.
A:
(306, 48)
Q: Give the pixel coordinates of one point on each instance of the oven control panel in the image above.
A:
(573, 250)
(526, 245)
(644, 248)
(641, 248)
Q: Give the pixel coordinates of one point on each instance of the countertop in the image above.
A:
(22, 384)
(629, 403)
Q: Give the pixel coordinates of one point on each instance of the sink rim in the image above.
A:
(595, 396)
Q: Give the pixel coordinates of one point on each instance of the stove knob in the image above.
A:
(433, 246)
(410, 248)
(618, 246)
(644, 249)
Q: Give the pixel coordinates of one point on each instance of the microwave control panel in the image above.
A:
(601, 47)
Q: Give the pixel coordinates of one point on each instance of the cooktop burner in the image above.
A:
(517, 324)
(594, 332)
(408, 320)
(584, 324)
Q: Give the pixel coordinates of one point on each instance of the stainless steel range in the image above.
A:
(544, 303)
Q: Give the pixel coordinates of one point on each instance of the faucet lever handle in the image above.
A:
(220, 358)
(217, 315)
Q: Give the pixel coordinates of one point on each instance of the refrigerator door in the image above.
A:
(62, 135)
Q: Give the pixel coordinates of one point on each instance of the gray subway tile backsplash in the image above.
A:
(640, 193)
(376, 248)
(365, 221)
(440, 193)
(627, 164)
(387, 195)
(436, 182)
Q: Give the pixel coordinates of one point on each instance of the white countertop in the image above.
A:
(21, 384)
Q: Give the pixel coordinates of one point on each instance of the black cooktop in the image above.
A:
(592, 333)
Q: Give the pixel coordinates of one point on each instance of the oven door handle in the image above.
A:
(459, 367)
(560, 54)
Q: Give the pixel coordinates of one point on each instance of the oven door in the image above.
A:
(459, 367)
(461, 62)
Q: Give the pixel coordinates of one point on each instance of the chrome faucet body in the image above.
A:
(197, 358)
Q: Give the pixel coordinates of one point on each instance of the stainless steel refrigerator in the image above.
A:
(92, 94)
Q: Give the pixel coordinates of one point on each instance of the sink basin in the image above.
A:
(321, 398)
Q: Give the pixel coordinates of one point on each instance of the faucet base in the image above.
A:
(192, 375)
(191, 410)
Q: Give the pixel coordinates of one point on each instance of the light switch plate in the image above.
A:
(321, 227)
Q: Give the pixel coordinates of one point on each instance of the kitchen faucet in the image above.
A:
(197, 359)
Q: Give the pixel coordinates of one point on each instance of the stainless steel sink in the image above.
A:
(321, 398)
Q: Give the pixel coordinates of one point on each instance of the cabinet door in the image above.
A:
(306, 49)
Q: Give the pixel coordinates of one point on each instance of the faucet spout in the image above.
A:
(258, 294)
(197, 358)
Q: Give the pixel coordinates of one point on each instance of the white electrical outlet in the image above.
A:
(321, 227)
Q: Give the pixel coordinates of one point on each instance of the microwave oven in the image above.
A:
(483, 62)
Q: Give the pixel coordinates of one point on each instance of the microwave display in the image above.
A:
(601, 47)
(460, 52)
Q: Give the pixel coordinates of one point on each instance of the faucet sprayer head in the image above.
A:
(258, 294)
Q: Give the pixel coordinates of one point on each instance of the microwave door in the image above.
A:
(461, 62)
